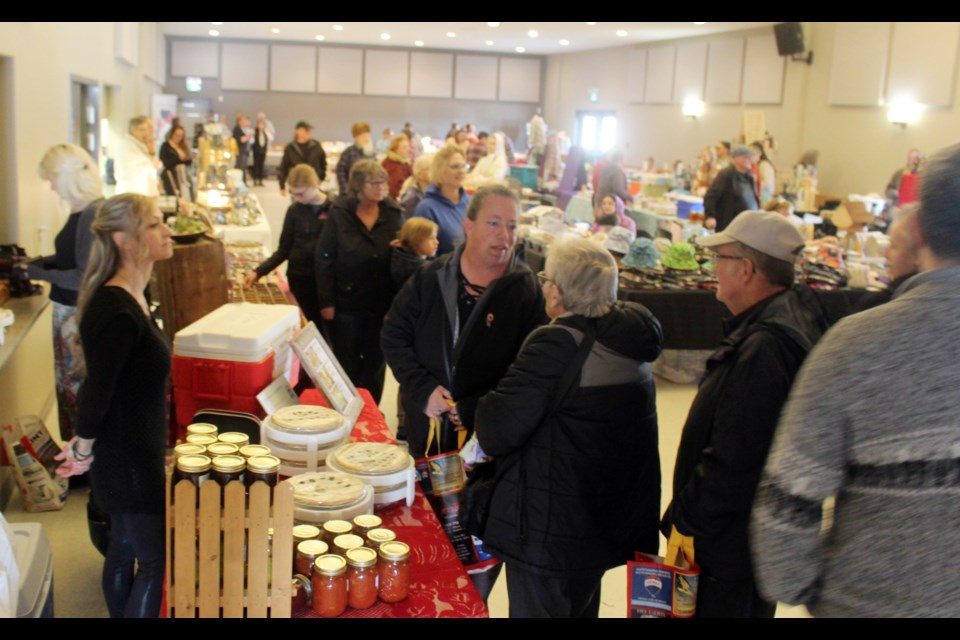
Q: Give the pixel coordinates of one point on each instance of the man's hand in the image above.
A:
(438, 403)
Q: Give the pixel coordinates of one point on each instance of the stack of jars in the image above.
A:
(223, 457)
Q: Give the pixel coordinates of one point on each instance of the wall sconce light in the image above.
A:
(693, 108)
(904, 112)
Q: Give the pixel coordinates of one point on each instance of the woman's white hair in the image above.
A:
(73, 174)
(586, 274)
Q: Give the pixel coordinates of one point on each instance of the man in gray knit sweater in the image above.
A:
(874, 420)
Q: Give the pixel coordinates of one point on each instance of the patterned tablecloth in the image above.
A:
(439, 585)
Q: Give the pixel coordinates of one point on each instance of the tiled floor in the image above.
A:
(78, 564)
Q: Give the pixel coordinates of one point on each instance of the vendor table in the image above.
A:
(259, 232)
(693, 319)
(439, 585)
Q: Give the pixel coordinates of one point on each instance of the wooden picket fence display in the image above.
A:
(200, 537)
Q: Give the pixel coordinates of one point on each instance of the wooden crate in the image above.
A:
(191, 284)
(207, 575)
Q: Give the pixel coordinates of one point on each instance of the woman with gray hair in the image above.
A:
(73, 175)
(352, 263)
(573, 429)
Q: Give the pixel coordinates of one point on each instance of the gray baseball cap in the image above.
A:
(741, 150)
(765, 231)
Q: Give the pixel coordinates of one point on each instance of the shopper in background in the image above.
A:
(174, 152)
(902, 256)
(122, 419)
(477, 149)
(398, 164)
(383, 144)
(613, 180)
(361, 149)
(412, 191)
(732, 191)
(764, 173)
(872, 422)
(734, 415)
(262, 137)
(914, 159)
(74, 176)
(722, 151)
(445, 200)
(705, 172)
(416, 243)
(302, 227)
(491, 167)
(581, 458)
(243, 134)
(136, 163)
(353, 273)
(610, 212)
(302, 150)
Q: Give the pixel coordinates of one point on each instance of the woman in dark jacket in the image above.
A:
(174, 152)
(301, 229)
(578, 468)
(353, 273)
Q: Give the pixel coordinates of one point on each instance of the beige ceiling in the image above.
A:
(469, 36)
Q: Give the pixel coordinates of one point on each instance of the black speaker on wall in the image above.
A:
(789, 38)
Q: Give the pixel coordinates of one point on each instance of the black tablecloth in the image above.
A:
(693, 319)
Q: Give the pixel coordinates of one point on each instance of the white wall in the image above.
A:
(859, 149)
(45, 56)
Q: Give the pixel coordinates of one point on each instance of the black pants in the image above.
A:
(535, 596)
(134, 538)
(731, 599)
(304, 289)
(259, 159)
(356, 343)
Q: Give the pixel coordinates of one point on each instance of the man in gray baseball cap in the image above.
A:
(734, 415)
(732, 191)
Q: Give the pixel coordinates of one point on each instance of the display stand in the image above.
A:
(220, 558)
(326, 373)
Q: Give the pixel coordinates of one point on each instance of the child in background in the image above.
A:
(417, 242)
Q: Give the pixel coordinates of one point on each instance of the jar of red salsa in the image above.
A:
(330, 586)
(361, 577)
(394, 571)
(307, 553)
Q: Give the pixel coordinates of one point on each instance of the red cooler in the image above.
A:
(224, 359)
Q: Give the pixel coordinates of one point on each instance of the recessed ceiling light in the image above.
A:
(338, 27)
(488, 42)
(699, 23)
(591, 23)
(213, 32)
(216, 23)
(520, 49)
(320, 37)
(564, 42)
(451, 34)
(532, 33)
(275, 30)
(493, 24)
(418, 43)
(621, 33)
(384, 36)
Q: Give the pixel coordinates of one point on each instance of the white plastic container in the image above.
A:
(35, 562)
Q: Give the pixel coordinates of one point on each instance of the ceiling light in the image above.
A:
(699, 23)
(904, 112)
(532, 33)
(493, 24)
(384, 36)
(338, 27)
(451, 34)
(418, 43)
(488, 42)
(621, 33)
(564, 42)
(216, 23)
(591, 23)
(320, 37)
(693, 108)
(520, 49)
(275, 30)
(213, 32)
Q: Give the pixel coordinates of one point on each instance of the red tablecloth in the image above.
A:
(439, 585)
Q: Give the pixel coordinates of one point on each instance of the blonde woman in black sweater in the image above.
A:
(121, 422)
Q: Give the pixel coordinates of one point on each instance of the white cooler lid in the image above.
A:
(238, 331)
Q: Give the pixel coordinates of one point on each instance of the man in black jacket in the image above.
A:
(732, 191)
(732, 420)
(302, 150)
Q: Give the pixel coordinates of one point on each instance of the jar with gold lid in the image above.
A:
(225, 469)
(334, 528)
(188, 449)
(345, 542)
(376, 537)
(301, 593)
(251, 450)
(303, 532)
(195, 468)
(265, 468)
(394, 571)
(234, 437)
(222, 449)
(365, 522)
(361, 577)
(203, 439)
(202, 427)
(307, 552)
(330, 586)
